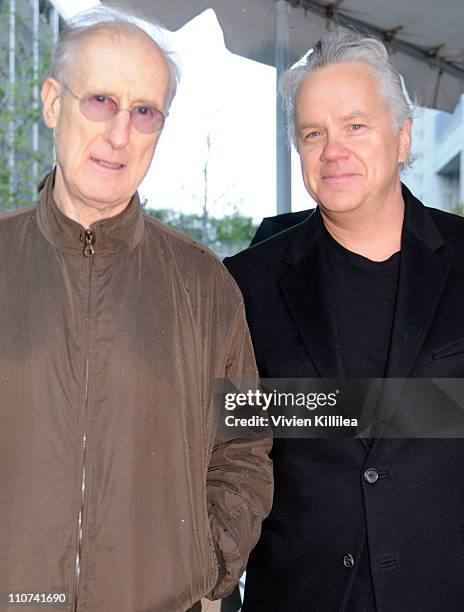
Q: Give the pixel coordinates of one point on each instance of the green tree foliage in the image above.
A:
(458, 209)
(235, 228)
(226, 235)
(21, 168)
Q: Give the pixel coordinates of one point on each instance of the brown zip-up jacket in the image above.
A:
(113, 488)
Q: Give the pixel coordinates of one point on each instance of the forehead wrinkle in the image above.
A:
(314, 81)
(144, 50)
(117, 35)
(357, 114)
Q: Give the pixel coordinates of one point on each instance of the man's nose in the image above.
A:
(118, 132)
(334, 149)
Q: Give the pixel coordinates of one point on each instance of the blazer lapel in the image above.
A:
(306, 293)
(423, 274)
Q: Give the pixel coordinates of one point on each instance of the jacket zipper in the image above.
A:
(89, 251)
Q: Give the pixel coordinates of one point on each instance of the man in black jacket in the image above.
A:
(370, 285)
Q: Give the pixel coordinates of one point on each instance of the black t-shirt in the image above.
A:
(363, 297)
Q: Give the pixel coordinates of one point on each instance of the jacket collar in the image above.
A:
(116, 234)
(306, 292)
(417, 220)
(310, 232)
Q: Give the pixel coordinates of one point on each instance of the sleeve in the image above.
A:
(239, 479)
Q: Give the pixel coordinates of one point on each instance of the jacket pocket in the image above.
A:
(455, 348)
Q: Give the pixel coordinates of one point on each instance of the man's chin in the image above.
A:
(103, 201)
(339, 205)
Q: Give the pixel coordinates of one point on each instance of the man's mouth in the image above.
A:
(107, 164)
(339, 175)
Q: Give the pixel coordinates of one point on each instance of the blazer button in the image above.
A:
(371, 475)
(348, 561)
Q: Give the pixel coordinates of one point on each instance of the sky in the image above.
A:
(231, 99)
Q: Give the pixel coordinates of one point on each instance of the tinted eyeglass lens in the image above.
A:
(98, 108)
(145, 119)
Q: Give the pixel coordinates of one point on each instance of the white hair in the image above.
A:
(347, 45)
(103, 19)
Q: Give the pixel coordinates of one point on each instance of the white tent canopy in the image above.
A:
(425, 38)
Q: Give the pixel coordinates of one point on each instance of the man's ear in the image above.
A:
(51, 101)
(405, 142)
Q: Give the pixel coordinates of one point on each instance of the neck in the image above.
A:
(82, 211)
(376, 236)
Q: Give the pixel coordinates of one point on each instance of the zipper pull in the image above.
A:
(89, 242)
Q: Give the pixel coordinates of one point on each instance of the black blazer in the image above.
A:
(270, 226)
(413, 516)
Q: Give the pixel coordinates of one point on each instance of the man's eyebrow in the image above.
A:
(306, 126)
(357, 114)
(113, 96)
(145, 102)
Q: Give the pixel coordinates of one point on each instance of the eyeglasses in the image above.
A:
(99, 107)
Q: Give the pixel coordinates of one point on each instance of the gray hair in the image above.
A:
(100, 19)
(347, 45)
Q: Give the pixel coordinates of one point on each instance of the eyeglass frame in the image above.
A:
(118, 109)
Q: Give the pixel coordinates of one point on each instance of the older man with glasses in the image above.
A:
(115, 493)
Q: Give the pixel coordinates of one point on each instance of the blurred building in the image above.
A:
(437, 173)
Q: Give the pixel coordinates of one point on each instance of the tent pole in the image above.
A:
(461, 173)
(283, 169)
